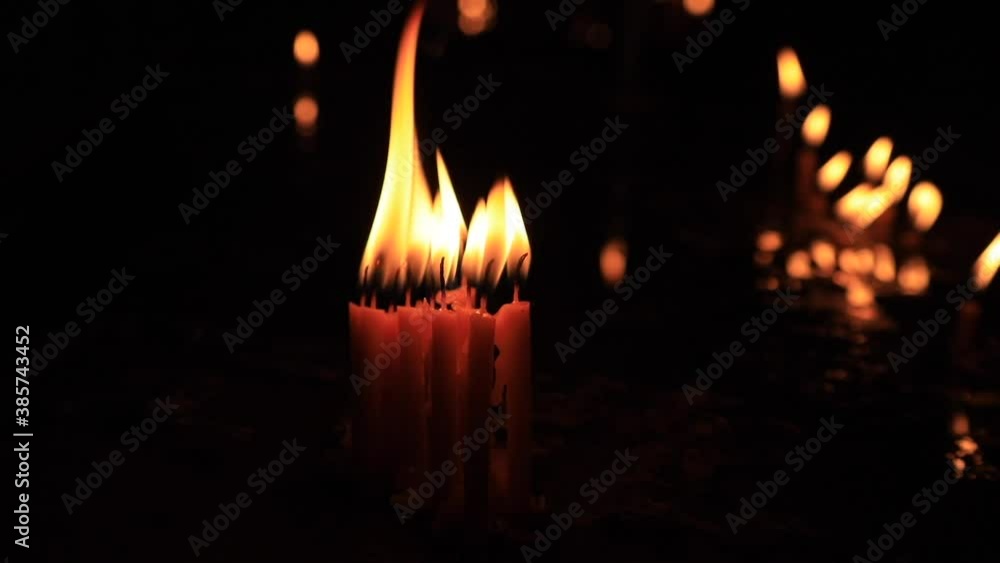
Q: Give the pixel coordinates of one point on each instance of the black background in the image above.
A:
(656, 185)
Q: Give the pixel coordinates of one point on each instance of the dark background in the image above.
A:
(654, 186)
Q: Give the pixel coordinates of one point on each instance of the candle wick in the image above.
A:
(443, 291)
(364, 287)
(409, 297)
(517, 292)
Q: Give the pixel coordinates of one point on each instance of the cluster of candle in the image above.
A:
(856, 240)
(442, 380)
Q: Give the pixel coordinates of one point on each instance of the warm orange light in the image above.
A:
(824, 254)
(860, 293)
(476, 16)
(925, 205)
(865, 259)
(877, 202)
(306, 112)
(799, 265)
(306, 48)
(448, 230)
(385, 253)
(791, 81)
(897, 177)
(475, 246)
(877, 159)
(614, 258)
(914, 276)
(966, 446)
(960, 424)
(848, 261)
(986, 265)
(816, 126)
(769, 241)
(832, 173)
(850, 207)
(885, 264)
(518, 249)
(698, 8)
(421, 226)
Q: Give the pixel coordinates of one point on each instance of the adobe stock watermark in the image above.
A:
(463, 450)
(248, 149)
(896, 529)
(753, 330)
(583, 157)
(364, 34)
(292, 278)
(898, 17)
(796, 458)
(133, 438)
(928, 329)
(786, 126)
(122, 107)
(258, 481)
(48, 9)
(697, 43)
(591, 491)
(87, 310)
(626, 289)
(566, 9)
(224, 7)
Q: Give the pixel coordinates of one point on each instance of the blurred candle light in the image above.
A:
(885, 264)
(305, 48)
(925, 205)
(306, 111)
(860, 294)
(914, 276)
(865, 261)
(791, 81)
(897, 177)
(832, 173)
(476, 16)
(698, 8)
(614, 261)
(877, 159)
(986, 265)
(848, 261)
(769, 241)
(850, 207)
(816, 126)
(799, 265)
(824, 254)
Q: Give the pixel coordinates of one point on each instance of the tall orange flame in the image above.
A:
(449, 230)
(816, 126)
(832, 173)
(987, 264)
(387, 248)
(877, 159)
(791, 81)
(925, 205)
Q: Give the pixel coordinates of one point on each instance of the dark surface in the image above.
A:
(162, 336)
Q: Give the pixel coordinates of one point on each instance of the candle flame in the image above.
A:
(865, 259)
(925, 205)
(914, 276)
(832, 173)
(305, 48)
(475, 246)
(698, 7)
(986, 265)
(476, 16)
(306, 112)
(877, 159)
(860, 293)
(799, 265)
(850, 207)
(885, 264)
(897, 177)
(387, 248)
(614, 258)
(791, 81)
(824, 254)
(497, 248)
(518, 249)
(816, 126)
(448, 229)
(848, 261)
(769, 241)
